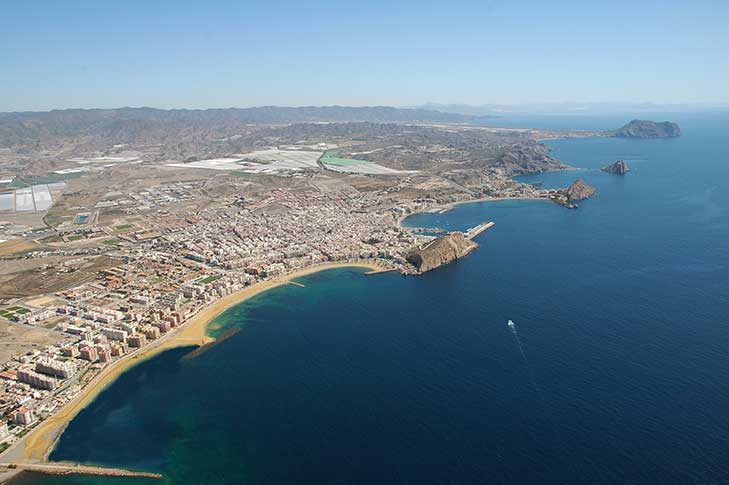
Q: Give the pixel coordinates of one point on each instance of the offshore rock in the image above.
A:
(440, 251)
(579, 190)
(618, 168)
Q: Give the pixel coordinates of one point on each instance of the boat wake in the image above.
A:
(527, 364)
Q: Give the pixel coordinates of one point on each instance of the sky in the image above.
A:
(198, 54)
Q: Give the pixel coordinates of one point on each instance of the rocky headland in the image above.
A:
(618, 168)
(440, 251)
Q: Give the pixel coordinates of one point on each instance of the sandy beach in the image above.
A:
(37, 445)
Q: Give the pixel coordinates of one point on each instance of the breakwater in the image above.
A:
(62, 468)
(205, 347)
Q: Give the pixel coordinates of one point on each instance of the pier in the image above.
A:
(378, 271)
(476, 230)
(62, 468)
(296, 283)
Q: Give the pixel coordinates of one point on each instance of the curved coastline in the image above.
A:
(450, 205)
(37, 445)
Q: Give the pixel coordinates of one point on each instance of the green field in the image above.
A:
(329, 159)
(239, 173)
(123, 227)
(207, 279)
(45, 179)
(11, 311)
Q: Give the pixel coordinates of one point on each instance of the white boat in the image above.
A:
(510, 324)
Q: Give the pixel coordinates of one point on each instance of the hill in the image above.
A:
(156, 125)
(647, 129)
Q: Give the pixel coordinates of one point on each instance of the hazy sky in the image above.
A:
(59, 54)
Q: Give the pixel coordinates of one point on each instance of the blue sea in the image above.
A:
(615, 372)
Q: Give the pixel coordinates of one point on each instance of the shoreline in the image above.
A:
(37, 445)
(450, 205)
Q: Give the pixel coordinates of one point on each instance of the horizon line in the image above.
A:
(428, 105)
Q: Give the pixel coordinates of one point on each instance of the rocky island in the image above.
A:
(617, 168)
(440, 251)
(647, 129)
(579, 190)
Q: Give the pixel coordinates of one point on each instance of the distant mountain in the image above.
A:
(647, 129)
(481, 111)
(150, 124)
(568, 107)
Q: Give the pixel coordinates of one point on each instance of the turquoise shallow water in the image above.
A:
(620, 309)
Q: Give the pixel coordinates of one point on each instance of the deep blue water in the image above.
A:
(621, 308)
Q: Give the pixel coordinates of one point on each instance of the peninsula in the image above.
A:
(440, 251)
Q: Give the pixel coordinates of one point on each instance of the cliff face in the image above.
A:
(618, 168)
(579, 191)
(441, 251)
(647, 129)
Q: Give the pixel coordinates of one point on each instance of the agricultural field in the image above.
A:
(272, 160)
(54, 178)
(43, 276)
(351, 165)
(127, 157)
(11, 311)
(285, 159)
(32, 198)
(211, 164)
(15, 246)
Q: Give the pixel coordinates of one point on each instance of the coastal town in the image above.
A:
(364, 243)
(158, 278)
(132, 257)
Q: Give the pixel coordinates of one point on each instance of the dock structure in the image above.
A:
(63, 468)
(296, 283)
(476, 230)
(378, 271)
